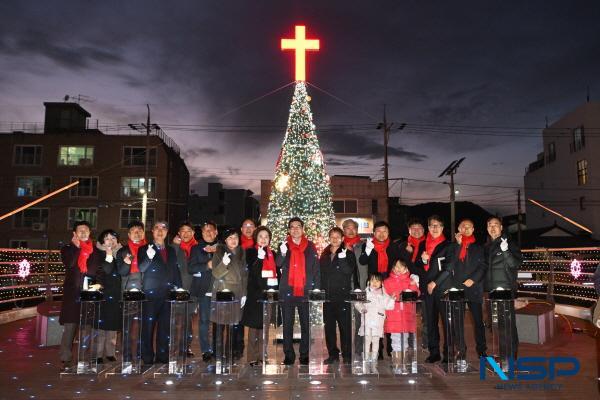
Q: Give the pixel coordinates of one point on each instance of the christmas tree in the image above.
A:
(301, 186)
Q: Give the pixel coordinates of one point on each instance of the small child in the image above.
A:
(402, 318)
(378, 303)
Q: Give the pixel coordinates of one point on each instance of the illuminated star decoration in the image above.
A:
(24, 269)
(575, 269)
(300, 45)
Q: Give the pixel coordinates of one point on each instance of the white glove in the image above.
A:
(503, 244)
(415, 278)
(369, 246)
(283, 248)
(109, 258)
(261, 253)
(150, 252)
(242, 301)
(226, 258)
(342, 254)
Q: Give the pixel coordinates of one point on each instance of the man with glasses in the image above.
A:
(247, 240)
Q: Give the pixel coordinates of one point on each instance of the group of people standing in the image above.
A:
(243, 262)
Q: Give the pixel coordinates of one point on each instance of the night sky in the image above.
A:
(466, 78)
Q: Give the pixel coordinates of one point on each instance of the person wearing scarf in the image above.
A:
(437, 253)
(80, 262)
(379, 253)
(353, 242)
(127, 259)
(247, 238)
(466, 270)
(298, 260)
(183, 243)
(262, 275)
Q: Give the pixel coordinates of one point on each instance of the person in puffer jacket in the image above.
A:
(402, 318)
(378, 303)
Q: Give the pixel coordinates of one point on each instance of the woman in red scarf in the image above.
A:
(262, 275)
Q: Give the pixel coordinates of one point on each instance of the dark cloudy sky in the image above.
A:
(445, 68)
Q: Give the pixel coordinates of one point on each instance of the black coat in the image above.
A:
(198, 265)
(503, 266)
(313, 277)
(158, 278)
(111, 317)
(407, 256)
(71, 304)
(456, 272)
(442, 255)
(182, 261)
(252, 316)
(393, 254)
(337, 274)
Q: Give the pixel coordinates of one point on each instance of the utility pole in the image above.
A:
(145, 194)
(519, 217)
(451, 170)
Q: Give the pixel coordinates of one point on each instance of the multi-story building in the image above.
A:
(566, 175)
(226, 207)
(356, 197)
(110, 168)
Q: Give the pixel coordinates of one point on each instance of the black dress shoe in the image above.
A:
(303, 360)
(207, 356)
(433, 358)
(111, 358)
(66, 367)
(288, 361)
(100, 360)
(189, 353)
(330, 360)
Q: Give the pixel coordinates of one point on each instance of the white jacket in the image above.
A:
(378, 303)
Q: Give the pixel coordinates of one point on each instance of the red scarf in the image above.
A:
(464, 245)
(415, 243)
(431, 244)
(133, 248)
(297, 277)
(85, 249)
(269, 262)
(350, 242)
(247, 242)
(187, 247)
(382, 257)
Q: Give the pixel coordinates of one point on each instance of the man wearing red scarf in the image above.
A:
(379, 253)
(436, 254)
(183, 243)
(354, 243)
(467, 271)
(127, 256)
(79, 260)
(247, 239)
(299, 265)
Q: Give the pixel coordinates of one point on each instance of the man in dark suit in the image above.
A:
(160, 275)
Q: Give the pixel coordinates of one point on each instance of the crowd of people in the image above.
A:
(245, 263)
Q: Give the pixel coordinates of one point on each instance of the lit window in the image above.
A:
(76, 155)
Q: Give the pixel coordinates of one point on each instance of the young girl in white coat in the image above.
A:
(374, 310)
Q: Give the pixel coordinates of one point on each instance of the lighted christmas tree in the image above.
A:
(301, 185)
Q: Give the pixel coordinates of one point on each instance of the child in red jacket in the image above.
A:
(402, 319)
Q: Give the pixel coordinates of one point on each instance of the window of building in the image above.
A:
(135, 214)
(28, 155)
(76, 155)
(18, 244)
(90, 215)
(582, 172)
(578, 139)
(132, 186)
(87, 187)
(32, 186)
(136, 156)
(345, 206)
(374, 207)
(32, 218)
(551, 152)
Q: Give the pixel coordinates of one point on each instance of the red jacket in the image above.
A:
(402, 318)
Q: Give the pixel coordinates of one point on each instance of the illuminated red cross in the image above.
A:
(300, 44)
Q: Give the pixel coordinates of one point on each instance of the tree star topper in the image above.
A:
(300, 44)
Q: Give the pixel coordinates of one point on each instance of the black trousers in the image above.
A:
(338, 313)
(288, 311)
(434, 309)
(156, 312)
(476, 309)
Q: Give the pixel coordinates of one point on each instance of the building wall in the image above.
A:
(228, 207)
(554, 183)
(171, 174)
